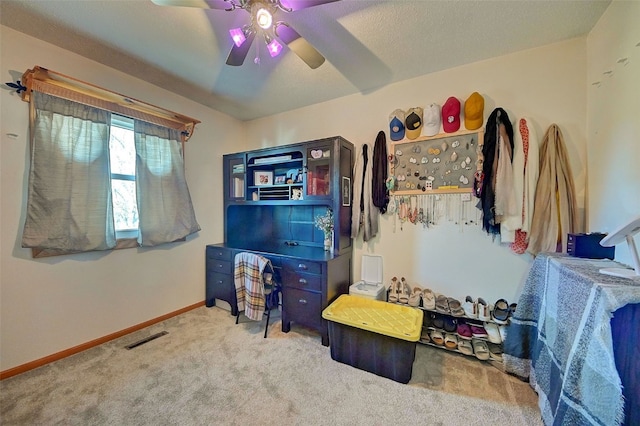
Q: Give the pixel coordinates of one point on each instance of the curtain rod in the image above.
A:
(55, 83)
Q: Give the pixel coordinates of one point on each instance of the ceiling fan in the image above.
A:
(263, 23)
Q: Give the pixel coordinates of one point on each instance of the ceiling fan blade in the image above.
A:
(299, 45)
(203, 4)
(238, 54)
(303, 4)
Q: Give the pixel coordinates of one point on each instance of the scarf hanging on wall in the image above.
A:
(555, 207)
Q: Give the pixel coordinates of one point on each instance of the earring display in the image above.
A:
(447, 161)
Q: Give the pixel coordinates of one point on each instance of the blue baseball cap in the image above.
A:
(396, 125)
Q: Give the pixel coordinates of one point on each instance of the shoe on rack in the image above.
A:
(438, 321)
(450, 324)
(493, 332)
(495, 351)
(424, 336)
(455, 307)
(464, 331)
(484, 311)
(470, 307)
(394, 290)
(451, 341)
(427, 320)
(501, 311)
(503, 332)
(442, 304)
(465, 347)
(416, 296)
(405, 291)
(437, 338)
(478, 331)
(428, 299)
(481, 349)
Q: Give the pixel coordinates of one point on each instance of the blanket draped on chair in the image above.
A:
(249, 284)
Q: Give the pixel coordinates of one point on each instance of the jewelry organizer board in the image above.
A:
(441, 164)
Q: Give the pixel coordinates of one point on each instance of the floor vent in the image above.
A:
(146, 340)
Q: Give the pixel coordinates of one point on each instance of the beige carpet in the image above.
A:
(208, 371)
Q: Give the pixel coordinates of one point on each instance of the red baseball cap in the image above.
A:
(451, 115)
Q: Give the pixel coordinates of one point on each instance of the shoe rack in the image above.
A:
(437, 321)
(429, 328)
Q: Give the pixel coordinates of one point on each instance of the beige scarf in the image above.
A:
(555, 209)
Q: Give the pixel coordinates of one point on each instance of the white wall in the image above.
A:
(48, 305)
(545, 84)
(614, 121)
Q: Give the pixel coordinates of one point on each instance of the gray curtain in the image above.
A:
(69, 194)
(164, 203)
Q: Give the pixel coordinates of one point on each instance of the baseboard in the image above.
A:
(83, 347)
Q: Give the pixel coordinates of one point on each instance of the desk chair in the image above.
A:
(257, 292)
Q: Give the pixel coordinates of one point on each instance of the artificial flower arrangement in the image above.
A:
(325, 224)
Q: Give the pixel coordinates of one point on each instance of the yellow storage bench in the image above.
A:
(374, 336)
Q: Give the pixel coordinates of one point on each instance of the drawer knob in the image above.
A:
(219, 266)
(219, 281)
(302, 281)
(303, 301)
(302, 266)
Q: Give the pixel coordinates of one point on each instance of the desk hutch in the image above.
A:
(272, 197)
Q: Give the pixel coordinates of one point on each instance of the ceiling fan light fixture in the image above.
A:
(238, 36)
(264, 19)
(274, 48)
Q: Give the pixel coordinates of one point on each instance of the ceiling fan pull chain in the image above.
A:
(257, 58)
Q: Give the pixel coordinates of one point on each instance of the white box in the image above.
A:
(370, 285)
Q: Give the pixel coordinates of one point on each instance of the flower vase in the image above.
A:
(327, 242)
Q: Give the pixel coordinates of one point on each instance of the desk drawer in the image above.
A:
(300, 265)
(301, 280)
(220, 266)
(218, 253)
(303, 307)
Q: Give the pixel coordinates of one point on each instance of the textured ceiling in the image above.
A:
(367, 43)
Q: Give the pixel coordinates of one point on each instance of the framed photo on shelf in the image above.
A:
(346, 191)
(262, 178)
(280, 179)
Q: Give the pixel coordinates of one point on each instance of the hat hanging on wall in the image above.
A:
(451, 115)
(431, 120)
(474, 111)
(396, 125)
(413, 122)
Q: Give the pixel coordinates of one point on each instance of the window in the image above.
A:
(106, 171)
(122, 151)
